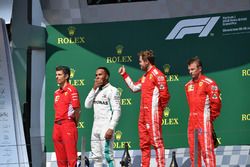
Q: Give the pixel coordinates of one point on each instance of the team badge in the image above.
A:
(200, 83)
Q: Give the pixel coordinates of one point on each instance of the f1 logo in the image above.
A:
(201, 26)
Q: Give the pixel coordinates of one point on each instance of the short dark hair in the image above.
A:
(195, 59)
(147, 55)
(105, 69)
(65, 69)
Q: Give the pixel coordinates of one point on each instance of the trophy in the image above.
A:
(126, 159)
(173, 162)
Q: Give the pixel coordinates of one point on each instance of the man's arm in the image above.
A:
(77, 112)
(134, 87)
(89, 99)
(75, 101)
(215, 101)
(114, 101)
(161, 83)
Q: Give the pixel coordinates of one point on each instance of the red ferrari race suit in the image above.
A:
(154, 98)
(204, 102)
(65, 133)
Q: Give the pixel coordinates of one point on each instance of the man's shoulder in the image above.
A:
(207, 80)
(71, 88)
(188, 83)
(156, 71)
(111, 87)
(111, 90)
(57, 91)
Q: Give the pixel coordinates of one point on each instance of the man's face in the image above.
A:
(194, 70)
(61, 78)
(101, 76)
(143, 64)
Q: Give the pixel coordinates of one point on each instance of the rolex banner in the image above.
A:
(220, 40)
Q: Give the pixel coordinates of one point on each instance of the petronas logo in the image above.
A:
(72, 73)
(118, 135)
(71, 30)
(120, 90)
(166, 68)
(119, 49)
(166, 111)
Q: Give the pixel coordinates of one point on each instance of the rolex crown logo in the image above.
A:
(118, 135)
(166, 111)
(119, 49)
(166, 68)
(71, 30)
(72, 72)
(120, 90)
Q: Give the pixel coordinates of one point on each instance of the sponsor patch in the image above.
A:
(160, 78)
(150, 76)
(143, 79)
(214, 96)
(190, 88)
(161, 87)
(214, 88)
(57, 98)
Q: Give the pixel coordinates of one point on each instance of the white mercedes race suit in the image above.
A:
(107, 110)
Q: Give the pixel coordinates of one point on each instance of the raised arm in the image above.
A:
(134, 87)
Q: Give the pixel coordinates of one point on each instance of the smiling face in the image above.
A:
(194, 70)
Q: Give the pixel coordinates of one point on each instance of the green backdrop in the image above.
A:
(224, 51)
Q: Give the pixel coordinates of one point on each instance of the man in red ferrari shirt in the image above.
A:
(67, 111)
(203, 96)
(154, 98)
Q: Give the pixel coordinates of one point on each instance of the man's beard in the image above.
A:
(144, 68)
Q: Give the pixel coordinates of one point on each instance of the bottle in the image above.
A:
(126, 159)
(173, 162)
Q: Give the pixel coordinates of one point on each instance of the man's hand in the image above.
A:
(109, 134)
(77, 115)
(122, 70)
(97, 83)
